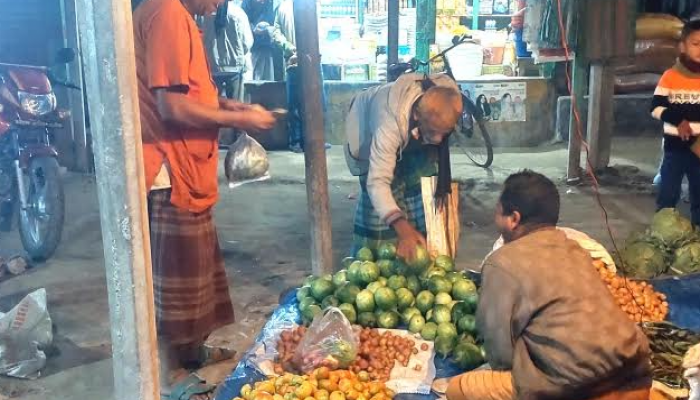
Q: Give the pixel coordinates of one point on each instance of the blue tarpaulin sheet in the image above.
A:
(288, 312)
(683, 296)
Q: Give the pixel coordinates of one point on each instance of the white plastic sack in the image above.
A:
(246, 162)
(24, 331)
(691, 364)
(596, 250)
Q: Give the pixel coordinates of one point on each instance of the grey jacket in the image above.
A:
(546, 315)
(377, 131)
(229, 51)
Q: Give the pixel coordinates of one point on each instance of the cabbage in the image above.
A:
(687, 259)
(644, 260)
(671, 228)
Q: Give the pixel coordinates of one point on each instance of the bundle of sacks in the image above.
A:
(655, 50)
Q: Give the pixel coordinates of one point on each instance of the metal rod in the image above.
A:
(393, 32)
(108, 50)
(311, 84)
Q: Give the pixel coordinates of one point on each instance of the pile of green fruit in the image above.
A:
(426, 296)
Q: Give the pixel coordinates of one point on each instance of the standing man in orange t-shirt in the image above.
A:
(180, 117)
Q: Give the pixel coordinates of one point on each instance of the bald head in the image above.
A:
(437, 113)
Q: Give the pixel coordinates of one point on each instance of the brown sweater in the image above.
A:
(546, 315)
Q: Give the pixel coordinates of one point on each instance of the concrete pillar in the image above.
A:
(108, 50)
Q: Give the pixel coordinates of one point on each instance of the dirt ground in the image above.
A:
(263, 230)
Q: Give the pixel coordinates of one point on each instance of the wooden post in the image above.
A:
(108, 50)
(311, 84)
(425, 28)
(578, 86)
(579, 71)
(601, 117)
(393, 33)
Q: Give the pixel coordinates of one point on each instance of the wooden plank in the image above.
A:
(110, 72)
(442, 223)
(311, 85)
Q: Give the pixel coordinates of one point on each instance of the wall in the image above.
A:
(30, 31)
(538, 129)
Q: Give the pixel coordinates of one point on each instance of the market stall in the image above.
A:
(403, 327)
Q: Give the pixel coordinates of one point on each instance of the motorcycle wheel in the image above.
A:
(41, 224)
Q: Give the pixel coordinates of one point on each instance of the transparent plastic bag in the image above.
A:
(329, 342)
(24, 332)
(246, 162)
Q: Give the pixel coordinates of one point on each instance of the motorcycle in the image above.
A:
(30, 183)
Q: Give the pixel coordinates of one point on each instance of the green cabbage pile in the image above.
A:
(644, 259)
(687, 259)
(671, 228)
(670, 245)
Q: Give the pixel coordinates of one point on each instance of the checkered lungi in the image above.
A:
(189, 281)
(370, 231)
(414, 162)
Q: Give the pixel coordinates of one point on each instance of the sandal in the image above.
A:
(214, 354)
(209, 355)
(190, 386)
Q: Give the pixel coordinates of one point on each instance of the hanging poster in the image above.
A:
(499, 102)
(486, 7)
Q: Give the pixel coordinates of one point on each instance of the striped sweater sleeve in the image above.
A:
(661, 106)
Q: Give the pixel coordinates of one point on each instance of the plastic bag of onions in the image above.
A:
(246, 162)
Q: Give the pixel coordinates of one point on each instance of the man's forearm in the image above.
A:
(176, 109)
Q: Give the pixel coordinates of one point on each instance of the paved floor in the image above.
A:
(264, 236)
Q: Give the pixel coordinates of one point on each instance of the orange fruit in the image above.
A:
(337, 396)
(374, 388)
(363, 376)
(323, 373)
(345, 385)
(322, 394)
(262, 396)
(352, 395)
(304, 390)
(267, 387)
(245, 391)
